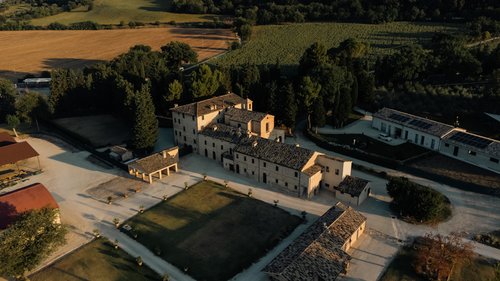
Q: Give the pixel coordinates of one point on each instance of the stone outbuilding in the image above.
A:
(155, 165)
(353, 190)
(320, 253)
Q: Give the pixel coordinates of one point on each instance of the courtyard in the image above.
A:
(212, 232)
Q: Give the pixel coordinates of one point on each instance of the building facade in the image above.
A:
(420, 131)
(226, 130)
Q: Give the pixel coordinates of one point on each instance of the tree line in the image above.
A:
(370, 11)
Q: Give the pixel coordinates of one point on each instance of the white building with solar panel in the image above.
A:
(418, 130)
(471, 148)
(448, 140)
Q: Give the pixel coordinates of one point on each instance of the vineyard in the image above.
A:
(287, 42)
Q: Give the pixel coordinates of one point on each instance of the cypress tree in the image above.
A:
(145, 124)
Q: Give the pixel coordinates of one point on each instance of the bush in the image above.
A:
(418, 202)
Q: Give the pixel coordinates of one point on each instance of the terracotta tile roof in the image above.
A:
(415, 122)
(314, 169)
(31, 197)
(243, 115)
(352, 185)
(210, 105)
(13, 153)
(224, 132)
(6, 139)
(154, 162)
(317, 253)
(283, 154)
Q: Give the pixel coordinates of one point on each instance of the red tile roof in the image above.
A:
(6, 139)
(10, 154)
(32, 197)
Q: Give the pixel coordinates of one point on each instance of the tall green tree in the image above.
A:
(205, 82)
(348, 51)
(343, 107)
(176, 53)
(145, 124)
(7, 98)
(309, 92)
(27, 242)
(318, 113)
(13, 121)
(313, 57)
(289, 106)
(174, 91)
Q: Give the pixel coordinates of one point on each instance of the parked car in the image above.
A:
(384, 136)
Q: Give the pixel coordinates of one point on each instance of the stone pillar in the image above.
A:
(150, 179)
(159, 174)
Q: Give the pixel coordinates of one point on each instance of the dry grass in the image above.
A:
(24, 52)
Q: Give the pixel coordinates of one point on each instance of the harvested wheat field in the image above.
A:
(23, 52)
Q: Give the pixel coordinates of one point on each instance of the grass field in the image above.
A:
(288, 42)
(400, 269)
(212, 231)
(34, 51)
(97, 130)
(97, 261)
(397, 152)
(114, 11)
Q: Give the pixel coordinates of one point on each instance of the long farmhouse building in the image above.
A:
(226, 130)
(443, 138)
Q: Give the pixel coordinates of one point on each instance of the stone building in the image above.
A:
(320, 253)
(155, 165)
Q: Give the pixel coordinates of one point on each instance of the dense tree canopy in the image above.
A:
(27, 242)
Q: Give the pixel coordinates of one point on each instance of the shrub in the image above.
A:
(420, 203)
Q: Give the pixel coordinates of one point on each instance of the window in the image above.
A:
(473, 153)
(253, 173)
(183, 116)
(447, 145)
(422, 138)
(184, 128)
(286, 184)
(245, 158)
(237, 156)
(327, 169)
(180, 134)
(205, 142)
(192, 117)
(494, 160)
(337, 172)
(179, 120)
(194, 132)
(250, 107)
(327, 185)
(406, 134)
(213, 144)
(267, 126)
(184, 138)
(203, 117)
(221, 147)
(296, 174)
(276, 180)
(264, 164)
(245, 170)
(432, 143)
(416, 138)
(253, 160)
(175, 132)
(175, 120)
(194, 141)
(295, 187)
(277, 168)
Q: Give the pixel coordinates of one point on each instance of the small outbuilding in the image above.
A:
(155, 165)
(353, 190)
(120, 153)
(12, 154)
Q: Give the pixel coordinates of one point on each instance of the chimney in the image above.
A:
(164, 153)
(214, 128)
(254, 143)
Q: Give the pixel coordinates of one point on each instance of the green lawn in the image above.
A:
(400, 269)
(397, 152)
(114, 11)
(213, 232)
(288, 42)
(96, 261)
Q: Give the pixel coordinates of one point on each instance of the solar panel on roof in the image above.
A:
(471, 140)
(420, 124)
(399, 117)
